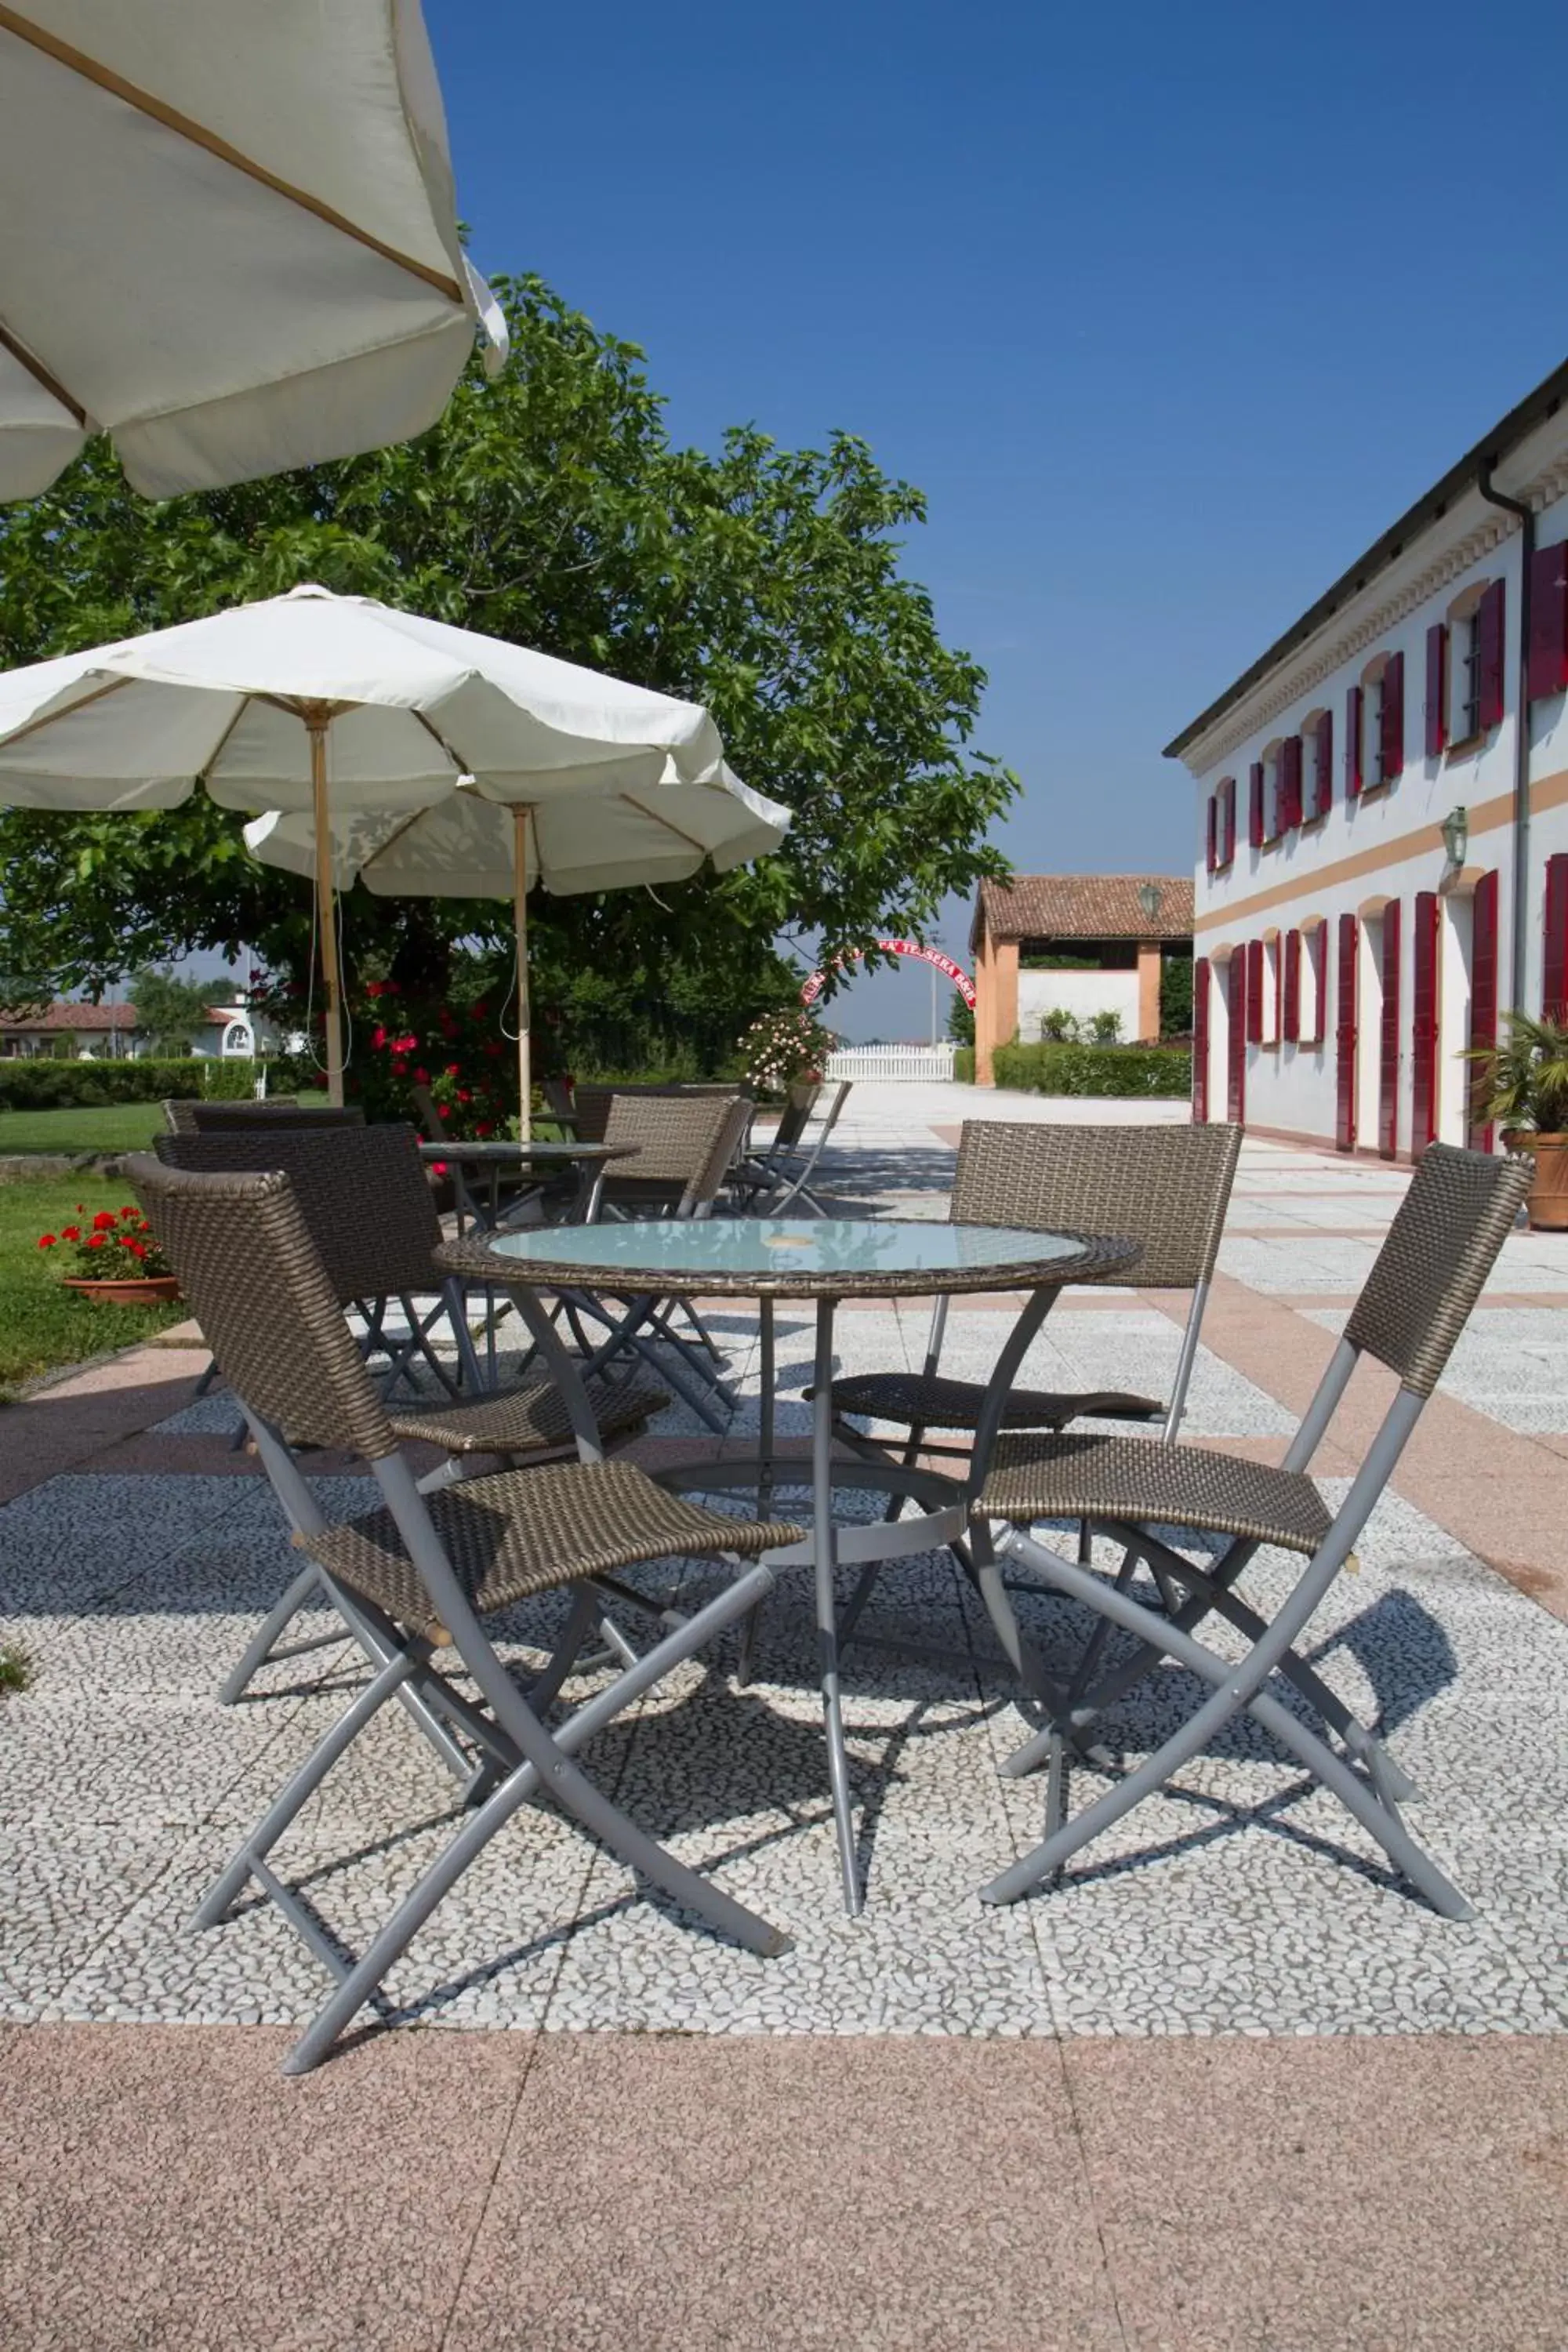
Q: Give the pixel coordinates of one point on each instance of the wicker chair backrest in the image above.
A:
(179, 1116)
(592, 1104)
(795, 1116)
(676, 1135)
(1444, 1242)
(1166, 1187)
(226, 1117)
(362, 1194)
(557, 1097)
(252, 1276)
(728, 1137)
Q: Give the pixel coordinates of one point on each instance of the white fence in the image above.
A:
(908, 1064)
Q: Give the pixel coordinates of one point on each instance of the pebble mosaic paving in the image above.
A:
(1240, 1901)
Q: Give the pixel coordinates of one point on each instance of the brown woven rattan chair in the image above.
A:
(1439, 1250)
(1167, 1188)
(200, 1118)
(777, 1182)
(363, 1198)
(415, 1576)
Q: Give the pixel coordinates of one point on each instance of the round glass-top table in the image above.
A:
(826, 1260)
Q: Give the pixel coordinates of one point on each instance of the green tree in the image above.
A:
(960, 1021)
(172, 1013)
(548, 508)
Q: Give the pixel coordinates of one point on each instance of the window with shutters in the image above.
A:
(1549, 620)
(1270, 764)
(1474, 629)
(1221, 843)
(1382, 720)
(1317, 766)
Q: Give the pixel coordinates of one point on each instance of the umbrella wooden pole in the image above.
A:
(325, 910)
(519, 910)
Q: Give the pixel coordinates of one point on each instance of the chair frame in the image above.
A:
(788, 1173)
(519, 1755)
(1413, 1337)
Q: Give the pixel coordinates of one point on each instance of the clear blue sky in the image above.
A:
(1168, 309)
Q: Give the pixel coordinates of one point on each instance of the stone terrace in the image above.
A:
(1227, 2085)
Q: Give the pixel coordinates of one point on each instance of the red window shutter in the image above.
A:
(1255, 991)
(1490, 634)
(1214, 833)
(1289, 783)
(1228, 788)
(1391, 724)
(1254, 805)
(1354, 700)
(1344, 1038)
(1236, 1037)
(1483, 983)
(1388, 1042)
(1554, 970)
(1436, 689)
(1321, 1027)
(1201, 1037)
(1549, 620)
(1423, 1023)
(1323, 781)
(1292, 986)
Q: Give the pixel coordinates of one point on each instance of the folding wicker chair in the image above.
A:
(415, 1576)
(198, 1118)
(758, 1172)
(1439, 1250)
(365, 1203)
(785, 1174)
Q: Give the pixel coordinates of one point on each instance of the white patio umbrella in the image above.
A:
(359, 719)
(468, 846)
(228, 236)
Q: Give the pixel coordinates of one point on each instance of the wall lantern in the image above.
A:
(1150, 896)
(1455, 837)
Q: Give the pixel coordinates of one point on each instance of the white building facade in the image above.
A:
(1382, 858)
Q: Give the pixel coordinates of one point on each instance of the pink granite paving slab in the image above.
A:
(166, 2189)
(60, 1427)
(1342, 2195)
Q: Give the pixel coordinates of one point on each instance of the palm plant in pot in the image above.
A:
(1521, 1083)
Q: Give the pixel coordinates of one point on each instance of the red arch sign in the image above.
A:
(911, 948)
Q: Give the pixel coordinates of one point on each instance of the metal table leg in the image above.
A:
(824, 1547)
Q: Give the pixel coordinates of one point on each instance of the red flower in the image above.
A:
(375, 988)
(134, 1247)
(130, 1216)
(493, 1050)
(454, 1069)
(97, 1241)
(483, 1128)
(480, 1011)
(46, 1241)
(440, 1165)
(445, 1109)
(104, 1221)
(406, 1045)
(421, 1077)
(464, 1095)
(67, 1234)
(378, 1037)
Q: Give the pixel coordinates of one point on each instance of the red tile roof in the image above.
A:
(1084, 907)
(95, 1019)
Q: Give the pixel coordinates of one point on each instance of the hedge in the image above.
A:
(963, 1065)
(48, 1083)
(1160, 1070)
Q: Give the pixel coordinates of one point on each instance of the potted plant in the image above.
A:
(1521, 1083)
(115, 1259)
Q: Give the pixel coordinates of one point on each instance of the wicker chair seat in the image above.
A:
(529, 1531)
(930, 1402)
(528, 1418)
(1084, 1476)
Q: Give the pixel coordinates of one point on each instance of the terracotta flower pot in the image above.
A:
(1547, 1206)
(149, 1290)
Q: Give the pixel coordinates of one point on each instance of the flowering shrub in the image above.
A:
(783, 1046)
(456, 1050)
(109, 1247)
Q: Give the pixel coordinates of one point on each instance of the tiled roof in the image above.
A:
(1084, 907)
(93, 1018)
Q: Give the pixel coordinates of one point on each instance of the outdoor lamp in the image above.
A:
(1149, 896)
(1455, 837)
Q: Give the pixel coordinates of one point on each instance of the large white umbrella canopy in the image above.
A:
(228, 236)
(363, 729)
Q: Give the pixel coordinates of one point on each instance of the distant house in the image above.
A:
(109, 1032)
(1081, 943)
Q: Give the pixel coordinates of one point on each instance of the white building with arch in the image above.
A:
(1383, 850)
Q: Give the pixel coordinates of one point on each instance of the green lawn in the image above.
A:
(115, 1127)
(41, 1325)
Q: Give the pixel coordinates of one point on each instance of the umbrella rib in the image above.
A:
(659, 817)
(40, 375)
(77, 62)
(112, 686)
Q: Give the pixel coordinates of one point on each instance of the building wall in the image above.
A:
(1081, 994)
(1388, 845)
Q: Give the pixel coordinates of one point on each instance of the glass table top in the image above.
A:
(815, 1255)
